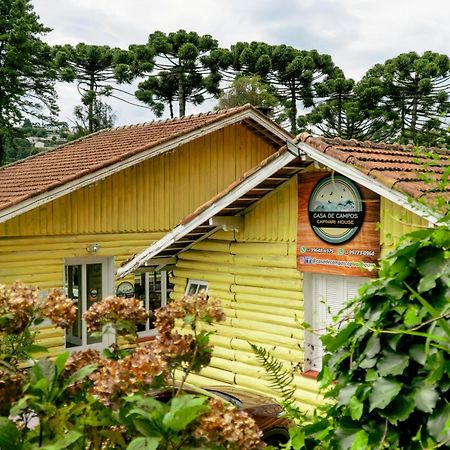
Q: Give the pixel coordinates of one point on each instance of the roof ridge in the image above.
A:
(128, 126)
(184, 118)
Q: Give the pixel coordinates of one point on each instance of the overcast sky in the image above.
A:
(356, 33)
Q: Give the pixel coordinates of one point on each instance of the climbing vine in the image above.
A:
(386, 372)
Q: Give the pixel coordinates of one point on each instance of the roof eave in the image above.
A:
(207, 213)
(367, 181)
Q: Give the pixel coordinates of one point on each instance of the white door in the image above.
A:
(325, 296)
(86, 281)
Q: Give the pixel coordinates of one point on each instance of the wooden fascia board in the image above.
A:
(370, 183)
(99, 175)
(181, 230)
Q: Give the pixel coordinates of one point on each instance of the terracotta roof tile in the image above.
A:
(408, 169)
(47, 170)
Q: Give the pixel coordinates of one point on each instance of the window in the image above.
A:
(86, 281)
(195, 286)
(325, 296)
(153, 289)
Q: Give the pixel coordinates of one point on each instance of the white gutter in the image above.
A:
(181, 230)
(99, 175)
(369, 182)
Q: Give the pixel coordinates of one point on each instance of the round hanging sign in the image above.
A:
(125, 289)
(335, 209)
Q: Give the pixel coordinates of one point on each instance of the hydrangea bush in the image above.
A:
(109, 400)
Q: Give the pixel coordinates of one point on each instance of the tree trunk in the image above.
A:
(414, 119)
(2, 150)
(181, 97)
(293, 112)
(91, 105)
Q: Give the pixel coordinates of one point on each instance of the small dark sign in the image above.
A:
(125, 289)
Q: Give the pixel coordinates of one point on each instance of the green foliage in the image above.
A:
(122, 399)
(386, 374)
(26, 71)
(158, 422)
(343, 111)
(180, 67)
(411, 92)
(93, 68)
(293, 74)
(93, 117)
(248, 89)
(279, 377)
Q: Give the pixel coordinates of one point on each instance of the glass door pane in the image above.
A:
(74, 290)
(85, 283)
(94, 292)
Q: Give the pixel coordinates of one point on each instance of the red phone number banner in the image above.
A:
(337, 226)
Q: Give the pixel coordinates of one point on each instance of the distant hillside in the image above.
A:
(36, 137)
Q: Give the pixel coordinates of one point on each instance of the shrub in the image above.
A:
(386, 372)
(94, 400)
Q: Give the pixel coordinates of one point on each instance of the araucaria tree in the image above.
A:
(415, 94)
(93, 68)
(26, 73)
(186, 69)
(349, 110)
(294, 74)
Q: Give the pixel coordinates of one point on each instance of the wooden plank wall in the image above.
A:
(395, 222)
(151, 196)
(254, 273)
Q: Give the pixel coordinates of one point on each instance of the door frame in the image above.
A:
(107, 290)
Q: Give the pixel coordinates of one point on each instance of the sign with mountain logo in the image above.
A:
(337, 226)
(335, 209)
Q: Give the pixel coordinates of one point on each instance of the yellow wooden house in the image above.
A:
(282, 230)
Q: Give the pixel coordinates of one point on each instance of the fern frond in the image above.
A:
(279, 377)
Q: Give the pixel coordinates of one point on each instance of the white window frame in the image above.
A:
(200, 285)
(319, 311)
(164, 295)
(107, 289)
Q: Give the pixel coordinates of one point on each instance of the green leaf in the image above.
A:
(346, 434)
(9, 435)
(361, 441)
(296, 438)
(346, 393)
(399, 409)
(368, 363)
(34, 348)
(427, 283)
(60, 362)
(438, 424)
(426, 397)
(371, 375)
(64, 442)
(383, 391)
(144, 443)
(356, 407)
(81, 373)
(393, 288)
(183, 410)
(372, 347)
(412, 316)
(418, 354)
(432, 261)
(332, 343)
(392, 364)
